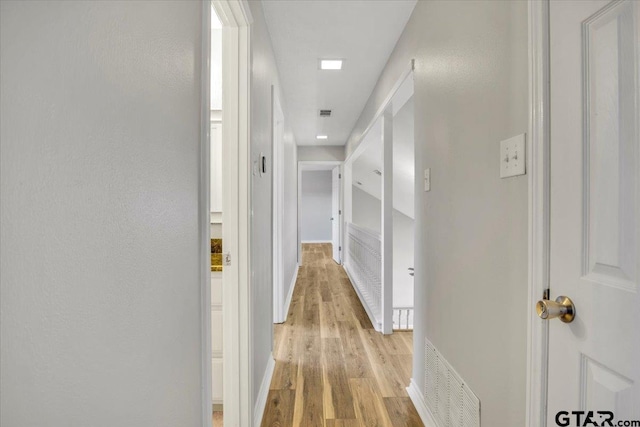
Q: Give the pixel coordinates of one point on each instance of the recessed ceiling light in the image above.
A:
(322, 137)
(331, 64)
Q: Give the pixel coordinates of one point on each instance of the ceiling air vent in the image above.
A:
(325, 113)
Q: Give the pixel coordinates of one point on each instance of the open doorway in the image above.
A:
(215, 202)
(319, 206)
(379, 214)
(403, 206)
(225, 211)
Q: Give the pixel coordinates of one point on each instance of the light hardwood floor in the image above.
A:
(332, 368)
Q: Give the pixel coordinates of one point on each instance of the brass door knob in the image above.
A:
(562, 308)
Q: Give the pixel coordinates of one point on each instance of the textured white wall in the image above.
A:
(471, 228)
(264, 75)
(315, 206)
(321, 153)
(366, 210)
(100, 293)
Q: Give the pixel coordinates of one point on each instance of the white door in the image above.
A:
(594, 361)
(216, 166)
(217, 370)
(335, 213)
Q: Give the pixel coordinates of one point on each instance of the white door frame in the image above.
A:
(279, 314)
(236, 18)
(313, 165)
(539, 189)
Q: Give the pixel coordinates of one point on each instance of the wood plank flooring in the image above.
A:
(332, 368)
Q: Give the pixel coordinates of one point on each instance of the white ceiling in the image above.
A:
(363, 33)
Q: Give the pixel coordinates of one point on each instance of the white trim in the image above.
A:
(277, 175)
(317, 241)
(263, 393)
(539, 188)
(421, 407)
(204, 219)
(386, 222)
(311, 165)
(287, 302)
(318, 164)
(236, 65)
(377, 326)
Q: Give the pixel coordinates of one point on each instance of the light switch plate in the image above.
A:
(512, 156)
(427, 179)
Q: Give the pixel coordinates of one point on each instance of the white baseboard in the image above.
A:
(287, 302)
(263, 393)
(418, 401)
(317, 241)
(377, 326)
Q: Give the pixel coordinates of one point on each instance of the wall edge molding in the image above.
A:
(263, 393)
(421, 407)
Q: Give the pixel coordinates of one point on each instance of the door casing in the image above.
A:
(277, 137)
(539, 195)
(311, 165)
(236, 19)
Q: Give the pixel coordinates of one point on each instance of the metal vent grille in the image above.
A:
(325, 113)
(448, 397)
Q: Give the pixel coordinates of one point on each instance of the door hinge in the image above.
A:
(339, 211)
(546, 293)
(339, 176)
(339, 248)
(227, 259)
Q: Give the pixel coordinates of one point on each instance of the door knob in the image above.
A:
(562, 308)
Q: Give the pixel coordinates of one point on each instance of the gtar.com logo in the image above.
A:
(591, 418)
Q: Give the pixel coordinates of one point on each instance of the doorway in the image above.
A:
(225, 211)
(584, 214)
(379, 233)
(217, 359)
(320, 205)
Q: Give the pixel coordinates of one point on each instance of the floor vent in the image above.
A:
(450, 400)
(325, 113)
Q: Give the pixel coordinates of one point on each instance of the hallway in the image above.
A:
(332, 368)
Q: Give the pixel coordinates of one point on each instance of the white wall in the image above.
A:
(367, 213)
(264, 75)
(315, 206)
(366, 210)
(321, 153)
(100, 291)
(471, 228)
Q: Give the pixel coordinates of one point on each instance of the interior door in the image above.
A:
(594, 361)
(335, 213)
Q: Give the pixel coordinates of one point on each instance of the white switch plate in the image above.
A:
(512, 156)
(427, 179)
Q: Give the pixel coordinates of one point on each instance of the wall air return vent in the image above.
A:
(325, 113)
(448, 397)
